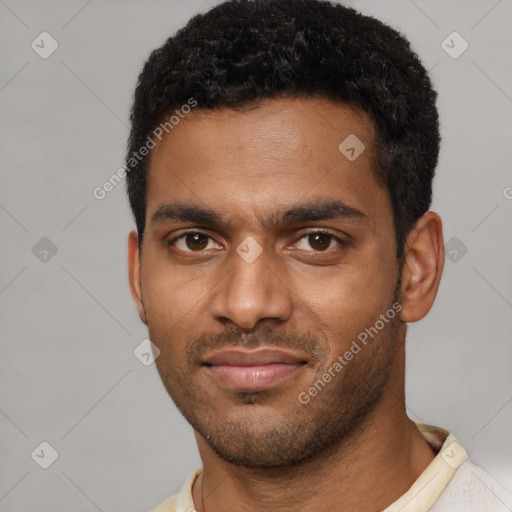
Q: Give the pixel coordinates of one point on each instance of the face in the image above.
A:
(268, 254)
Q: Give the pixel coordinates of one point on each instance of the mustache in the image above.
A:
(264, 336)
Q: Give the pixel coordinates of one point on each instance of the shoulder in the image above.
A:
(169, 505)
(472, 489)
(182, 501)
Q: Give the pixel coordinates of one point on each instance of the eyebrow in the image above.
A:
(304, 212)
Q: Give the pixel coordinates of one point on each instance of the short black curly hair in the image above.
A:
(243, 50)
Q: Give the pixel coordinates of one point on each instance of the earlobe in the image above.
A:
(134, 274)
(423, 267)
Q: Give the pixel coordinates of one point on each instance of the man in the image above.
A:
(280, 172)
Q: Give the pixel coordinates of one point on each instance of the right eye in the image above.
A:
(192, 241)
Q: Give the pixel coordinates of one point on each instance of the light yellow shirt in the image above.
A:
(451, 483)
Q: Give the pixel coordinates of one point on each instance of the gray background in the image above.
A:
(68, 374)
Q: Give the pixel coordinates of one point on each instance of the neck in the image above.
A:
(386, 449)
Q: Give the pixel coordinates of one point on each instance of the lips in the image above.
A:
(253, 370)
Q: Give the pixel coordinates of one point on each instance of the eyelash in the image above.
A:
(342, 242)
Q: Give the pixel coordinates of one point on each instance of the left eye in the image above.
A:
(318, 241)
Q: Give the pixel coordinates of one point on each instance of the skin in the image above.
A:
(310, 295)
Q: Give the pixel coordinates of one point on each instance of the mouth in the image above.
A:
(253, 370)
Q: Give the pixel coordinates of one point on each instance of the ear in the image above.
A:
(423, 267)
(134, 273)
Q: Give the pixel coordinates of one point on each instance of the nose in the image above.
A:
(252, 290)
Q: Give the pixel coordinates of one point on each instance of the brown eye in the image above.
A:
(196, 241)
(319, 241)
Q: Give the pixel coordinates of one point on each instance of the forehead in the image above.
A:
(276, 151)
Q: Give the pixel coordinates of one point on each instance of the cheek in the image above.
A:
(343, 302)
(170, 293)
(347, 291)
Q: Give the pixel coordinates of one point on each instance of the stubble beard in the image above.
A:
(305, 431)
